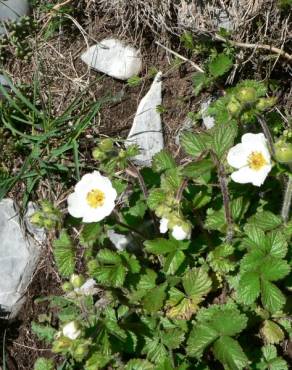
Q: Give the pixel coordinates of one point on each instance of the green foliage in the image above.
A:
(44, 364)
(203, 275)
(64, 254)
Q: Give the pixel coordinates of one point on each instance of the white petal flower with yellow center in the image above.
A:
(93, 198)
(252, 159)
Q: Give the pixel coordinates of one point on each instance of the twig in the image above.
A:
(181, 190)
(199, 69)
(287, 200)
(225, 195)
(271, 48)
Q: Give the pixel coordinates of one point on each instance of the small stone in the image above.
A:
(12, 10)
(114, 58)
(19, 254)
(146, 131)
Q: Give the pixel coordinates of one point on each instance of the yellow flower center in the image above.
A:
(95, 198)
(256, 161)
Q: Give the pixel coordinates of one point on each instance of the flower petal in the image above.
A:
(246, 175)
(75, 205)
(163, 228)
(254, 139)
(178, 233)
(238, 155)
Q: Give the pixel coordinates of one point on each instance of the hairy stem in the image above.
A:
(287, 200)
(225, 195)
(267, 133)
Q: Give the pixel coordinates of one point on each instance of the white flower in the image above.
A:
(251, 158)
(71, 330)
(163, 225)
(93, 198)
(179, 233)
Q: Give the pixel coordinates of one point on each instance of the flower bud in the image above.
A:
(265, 103)
(106, 145)
(47, 207)
(234, 107)
(71, 330)
(61, 345)
(81, 351)
(98, 155)
(122, 154)
(67, 287)
(247, 95)
(37, 219)
(283, 152)
(77, 280)
(48, 223)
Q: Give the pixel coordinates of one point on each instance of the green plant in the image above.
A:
(200, 296)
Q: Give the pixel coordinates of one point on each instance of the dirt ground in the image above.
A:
(61, 72)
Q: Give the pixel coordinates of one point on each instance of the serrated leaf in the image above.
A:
(173, 262)
(44, 364)
(64, 254)
(239, 206)
(184, 309)
(97, 361)
(249, 287)
(155, 351)
(90, 233)
(147, 281)
(265, 220)
(154, 299)
(161, 246)
(230, 354)
(274, 269)
(106, 256)
(163, 161)
(200, 81)
(218, 259)
(195, 144)
(223, 137)
(201, 336)
(272, 332)
(175, 296)
(256, 236)
(139, 364)
(269, 352)
(155, 198)
(215, 219)
(197, 283)
(113, 275)
(220, 64)
(173, 338)
(171, 180)
(276, 244)
(197, 169)
(228, 322)
(43, 332)
(278, 364)
(272, 297)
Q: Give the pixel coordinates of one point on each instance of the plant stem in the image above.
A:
(267, 133)
(225, 195)
(287, 200)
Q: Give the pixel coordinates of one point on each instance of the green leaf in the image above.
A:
(173, 262)
(139, 364)
(154, 299)
(274, 269)
(272, 297)
(200, 81)
(90, 233)
(64, 254)
(239, 207)
(265, 220)
(171, 180)
(256, 236)
(155, 350)
(272, 332)
(198, 169)
(228, 322)
(197, 283)
(44, 364)
(269, 352)
(155, 198)
(163, 161)
(106, 256)
(173, 338)
(230, 354)
(218, 259)
(195, 144)
(220, 64)
(249, 287)
(97, 361)
(276, 244)
(201, 336)
(223, 137)
(43, 332)
(164, 246)
(147, 281)
(215, 219)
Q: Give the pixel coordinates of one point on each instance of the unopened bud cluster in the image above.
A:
(47, 217)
